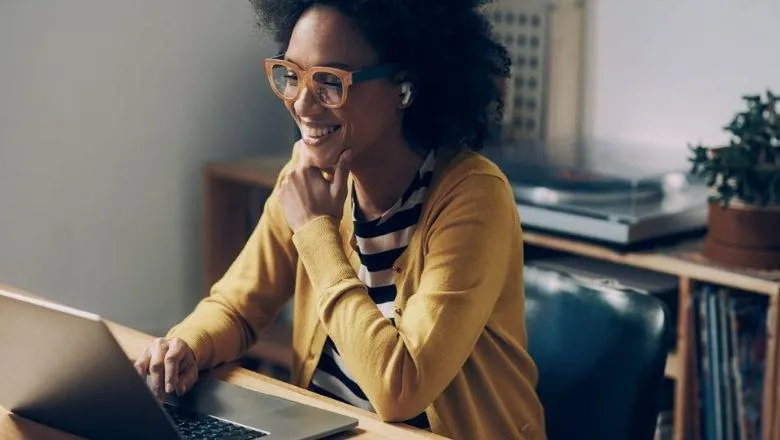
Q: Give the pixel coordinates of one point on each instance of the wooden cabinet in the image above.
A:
(235, 191)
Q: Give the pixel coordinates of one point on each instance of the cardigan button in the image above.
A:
(397, 269)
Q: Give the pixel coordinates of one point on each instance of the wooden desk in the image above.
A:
(133, 342)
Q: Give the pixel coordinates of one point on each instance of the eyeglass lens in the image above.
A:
(328, 87)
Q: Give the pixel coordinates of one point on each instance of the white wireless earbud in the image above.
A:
(406, 89)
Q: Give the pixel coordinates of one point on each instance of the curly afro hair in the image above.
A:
(446, 45)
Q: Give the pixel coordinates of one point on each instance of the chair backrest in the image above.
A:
(601, 354)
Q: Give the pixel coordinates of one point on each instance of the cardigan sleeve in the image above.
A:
(402, 368)
(251, 293)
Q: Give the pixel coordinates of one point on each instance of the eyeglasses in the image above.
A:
(329, 85)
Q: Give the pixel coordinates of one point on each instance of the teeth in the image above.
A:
(320, 132)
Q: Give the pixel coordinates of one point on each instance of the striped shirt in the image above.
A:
(380, 242)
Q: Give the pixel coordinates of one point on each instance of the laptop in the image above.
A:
(63, 368)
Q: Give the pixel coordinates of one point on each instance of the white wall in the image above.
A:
(671, 72)
(107, 111)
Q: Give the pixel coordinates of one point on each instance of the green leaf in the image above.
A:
(748, 167)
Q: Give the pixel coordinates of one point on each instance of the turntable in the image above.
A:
(615, 193)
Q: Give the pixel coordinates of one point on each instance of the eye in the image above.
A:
(290, 76)
(328, 80)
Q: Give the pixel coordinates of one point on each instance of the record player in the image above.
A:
(616, 193)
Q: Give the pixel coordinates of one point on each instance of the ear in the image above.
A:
(406, 94)
(406, 89)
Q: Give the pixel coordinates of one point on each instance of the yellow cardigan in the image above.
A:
(458, 349)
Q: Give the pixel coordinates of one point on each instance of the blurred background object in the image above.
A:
(108, 110)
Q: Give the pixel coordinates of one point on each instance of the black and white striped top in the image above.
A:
(380, 242)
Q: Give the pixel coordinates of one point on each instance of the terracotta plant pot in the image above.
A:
(744, 235)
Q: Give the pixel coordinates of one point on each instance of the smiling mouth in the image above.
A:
(318, 135)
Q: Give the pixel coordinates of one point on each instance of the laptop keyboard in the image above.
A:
(195, 426)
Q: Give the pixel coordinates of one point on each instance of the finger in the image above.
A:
(342, 167)
(172, 360)
(339, 185)
(298, 149)
(304, 178)
(142, 363)
(187, 378)
(157, 366)
(304, 159)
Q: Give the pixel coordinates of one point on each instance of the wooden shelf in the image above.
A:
(663, 262)
(263, 171)
(672, 370)
(260, 171)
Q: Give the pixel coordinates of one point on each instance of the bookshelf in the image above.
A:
(234, 192)
(684, 261)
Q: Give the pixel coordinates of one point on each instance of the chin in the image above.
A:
(325, 156)
(324, 152)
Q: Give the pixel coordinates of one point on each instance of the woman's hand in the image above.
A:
(171, 363)
(305, 193)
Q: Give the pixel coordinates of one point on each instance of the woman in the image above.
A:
(400, 245)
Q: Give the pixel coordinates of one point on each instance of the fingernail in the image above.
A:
(168, 388)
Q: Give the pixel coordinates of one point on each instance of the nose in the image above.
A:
(306, 104)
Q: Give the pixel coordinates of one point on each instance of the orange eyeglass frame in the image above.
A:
(348, 78)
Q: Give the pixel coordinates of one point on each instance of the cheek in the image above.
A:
(289, 106)
(370, 118)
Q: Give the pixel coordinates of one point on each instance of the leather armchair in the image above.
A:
(601, 354)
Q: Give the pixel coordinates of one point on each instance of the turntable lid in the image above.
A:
(587, 164)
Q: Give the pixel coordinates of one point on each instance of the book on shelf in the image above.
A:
(730, 330)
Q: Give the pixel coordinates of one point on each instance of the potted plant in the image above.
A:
(744, 182)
